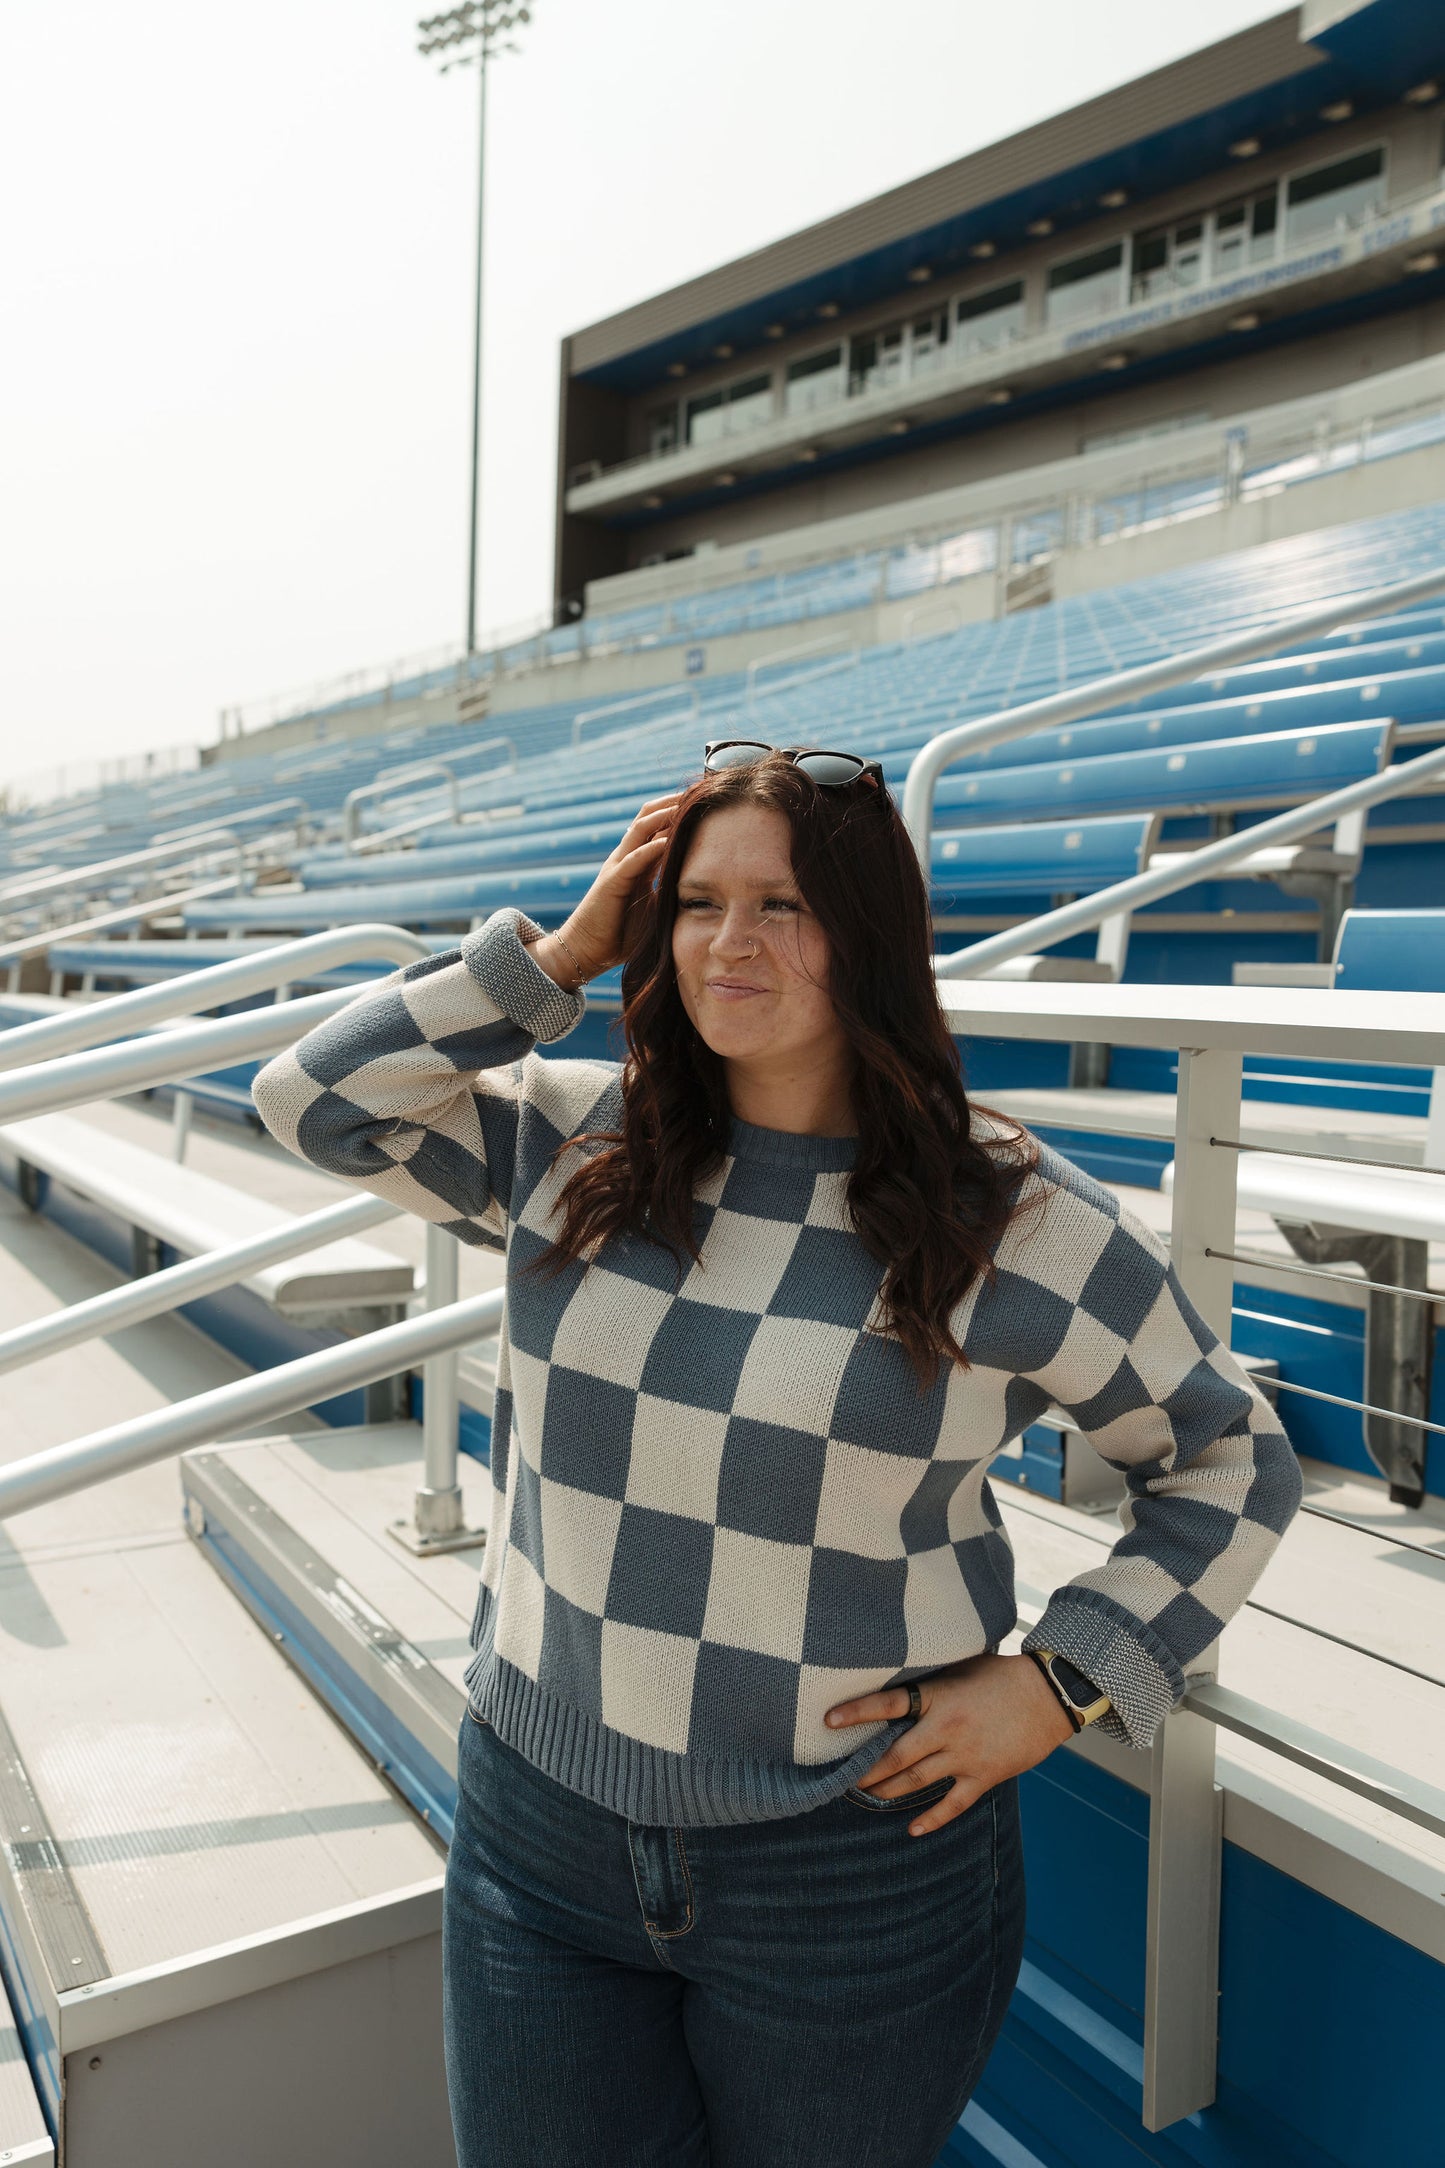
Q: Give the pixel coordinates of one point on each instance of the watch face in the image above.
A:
(1080, 1690)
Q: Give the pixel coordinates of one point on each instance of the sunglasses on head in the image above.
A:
(832, 770)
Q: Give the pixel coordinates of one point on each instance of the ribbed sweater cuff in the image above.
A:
(1125, 1659)
(514, 982)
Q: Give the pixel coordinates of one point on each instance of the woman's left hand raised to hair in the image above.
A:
(984, 1720)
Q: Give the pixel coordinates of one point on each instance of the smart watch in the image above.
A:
(1082, 1701)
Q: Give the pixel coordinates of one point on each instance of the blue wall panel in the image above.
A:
(1325, 2030)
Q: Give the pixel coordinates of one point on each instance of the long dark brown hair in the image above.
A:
(927, 1196)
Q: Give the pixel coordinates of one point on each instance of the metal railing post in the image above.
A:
(438, 1523)
(1181, 1978)
(439, 1501)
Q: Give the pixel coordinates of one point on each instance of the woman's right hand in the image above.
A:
(597, 931)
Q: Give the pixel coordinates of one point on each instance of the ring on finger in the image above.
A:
(915, 1700)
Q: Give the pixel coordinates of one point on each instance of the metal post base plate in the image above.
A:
(437, 1525)
(410, 1537)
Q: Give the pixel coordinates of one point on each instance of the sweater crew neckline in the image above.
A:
(785, 1148)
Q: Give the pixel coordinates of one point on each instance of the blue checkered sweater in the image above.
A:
(722, 1504)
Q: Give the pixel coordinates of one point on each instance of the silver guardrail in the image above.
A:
(41, 1478)
(1125, 685)
(70, 878)
(66, 1061)
(1186, 867)
(1211, 1028)
(283, 963)
(390, 781)
(158, 1292)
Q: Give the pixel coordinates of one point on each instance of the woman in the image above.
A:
(776, 1295)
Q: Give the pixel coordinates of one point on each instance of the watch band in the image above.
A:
(1081, 1707)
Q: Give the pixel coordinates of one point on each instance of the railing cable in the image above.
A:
(1333, 1159)
(1324, 1272)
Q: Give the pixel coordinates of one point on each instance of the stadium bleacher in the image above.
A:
(1066, 812)
(887, 573)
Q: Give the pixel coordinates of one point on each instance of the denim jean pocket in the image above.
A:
(909, 1802)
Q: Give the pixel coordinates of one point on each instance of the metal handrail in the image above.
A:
(130, 861)
(1150, 677)
(638, 700)
(271, 812)
(1189, 867)
(159, 1292)
(126, 914)
(137, 1065)
(1392, 1790)
(283, 964)
(389, 780)
(42, 1477)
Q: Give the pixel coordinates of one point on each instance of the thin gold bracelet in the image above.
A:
(564, 944)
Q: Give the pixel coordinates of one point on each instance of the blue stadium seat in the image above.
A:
(1396, 952)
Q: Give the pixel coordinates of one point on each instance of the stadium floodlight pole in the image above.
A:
(468, 36)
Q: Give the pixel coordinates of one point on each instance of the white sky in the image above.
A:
(235, 372)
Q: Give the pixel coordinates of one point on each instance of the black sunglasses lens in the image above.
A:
(830, 769)
(741, 755)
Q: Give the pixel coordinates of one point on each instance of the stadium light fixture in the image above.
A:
(1040, 228)
(1338, 109)
(1246, 147)
(983, 249)
(470, 36)
(1422, 93)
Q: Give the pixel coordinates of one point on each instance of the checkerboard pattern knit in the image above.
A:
(722, 1503)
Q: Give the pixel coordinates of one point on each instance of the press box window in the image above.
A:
(713, 415)
(662, 429)
(1245, 233)
(1334, 197)
(879, 358)
(1086, 286)
(815, 381)
(989, 320)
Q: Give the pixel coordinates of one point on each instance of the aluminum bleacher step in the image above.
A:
(25, 2142)
(200, 1873)
(191, 1213)
(298, 1527)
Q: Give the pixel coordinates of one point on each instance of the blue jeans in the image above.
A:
(783, 1994)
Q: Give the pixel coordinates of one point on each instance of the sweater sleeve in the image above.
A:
(415, 1089)
(1211, 1478)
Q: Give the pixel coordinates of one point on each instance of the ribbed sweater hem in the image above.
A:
(646, 1783)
